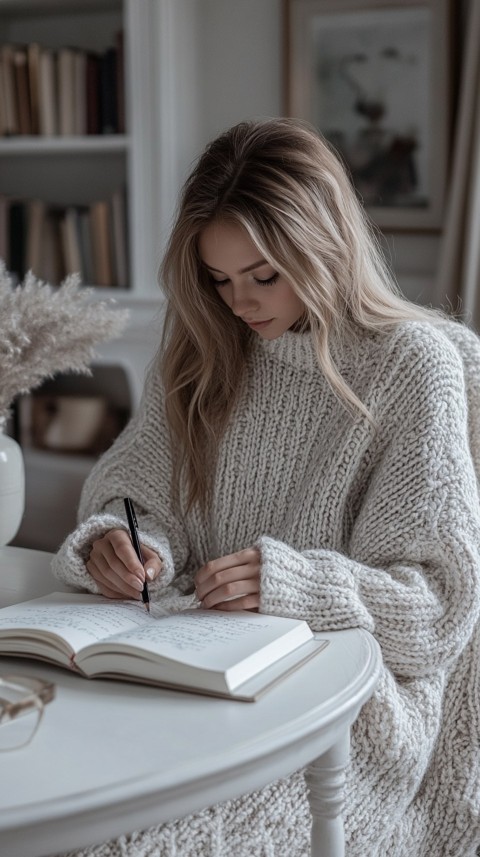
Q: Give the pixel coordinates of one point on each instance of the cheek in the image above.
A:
(299, 306)
(224, 295)
(293, 303)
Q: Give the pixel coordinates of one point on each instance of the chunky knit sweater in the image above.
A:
(376, 527)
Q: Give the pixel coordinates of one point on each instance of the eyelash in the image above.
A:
(268, 282)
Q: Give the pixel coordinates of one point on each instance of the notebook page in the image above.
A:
(79, 619)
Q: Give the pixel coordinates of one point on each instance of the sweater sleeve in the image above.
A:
(410, 574)
(137, 465)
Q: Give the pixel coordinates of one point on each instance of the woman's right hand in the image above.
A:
(116, 568)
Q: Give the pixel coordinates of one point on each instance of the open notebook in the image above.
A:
(238, 655)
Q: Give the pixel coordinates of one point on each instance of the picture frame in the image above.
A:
(373, 77)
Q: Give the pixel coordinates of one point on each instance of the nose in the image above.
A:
(242, 300)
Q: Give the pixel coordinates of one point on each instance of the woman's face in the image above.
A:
(248, 284)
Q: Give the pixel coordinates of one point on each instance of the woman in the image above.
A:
(304, 448)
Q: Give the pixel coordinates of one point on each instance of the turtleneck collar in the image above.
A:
(294, 349)
(297, 350)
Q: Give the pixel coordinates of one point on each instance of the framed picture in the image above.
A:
(372, 76)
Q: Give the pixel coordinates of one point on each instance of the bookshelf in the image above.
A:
(75, 171)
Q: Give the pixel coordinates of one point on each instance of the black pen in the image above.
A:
(133, 527)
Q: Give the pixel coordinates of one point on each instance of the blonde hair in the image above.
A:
(284, 185)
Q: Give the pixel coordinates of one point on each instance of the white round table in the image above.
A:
(112, 757)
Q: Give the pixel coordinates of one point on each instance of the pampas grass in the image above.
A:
(46, 330)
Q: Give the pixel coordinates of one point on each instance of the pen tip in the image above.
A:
(147, 607)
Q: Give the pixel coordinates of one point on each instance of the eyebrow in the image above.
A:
(242, 270)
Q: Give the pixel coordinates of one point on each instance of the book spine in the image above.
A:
(22, 91)
(108, 96)
(100, 231)
(120, 81)
(33, 63)
(70, 241)
(66, 92)
(80, 88)
(3, 106)
(119, 238)
(48, 96)
(93, 93)
(86, 250)
(35, 223)
(52, 268)
(17, 233)
(10, 108)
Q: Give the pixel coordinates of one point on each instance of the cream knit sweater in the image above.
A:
(356, 528)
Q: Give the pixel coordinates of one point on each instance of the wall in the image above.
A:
(235, 51)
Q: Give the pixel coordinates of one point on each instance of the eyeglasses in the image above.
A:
(22, 703)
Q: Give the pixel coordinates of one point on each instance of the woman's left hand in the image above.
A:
(230, 582)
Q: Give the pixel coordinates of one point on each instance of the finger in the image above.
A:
(129, 587)
(235, 589)
(112, 565)
(115, 549)
(124, 551)
(113, 571)
(241, 558)
(109, 593)
(247, 602)
(226, 577)
(215, 574)
(153, 564)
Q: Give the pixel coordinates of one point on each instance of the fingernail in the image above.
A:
(137, 584)
(151, 573)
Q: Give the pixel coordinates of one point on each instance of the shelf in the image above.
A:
(53, 486)
(84, 145)
(77, 171)
(63, 463)
(28, 7)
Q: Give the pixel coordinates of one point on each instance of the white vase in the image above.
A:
(12, 488)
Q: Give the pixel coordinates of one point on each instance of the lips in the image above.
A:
(257, 323)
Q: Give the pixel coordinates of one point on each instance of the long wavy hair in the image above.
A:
(281, 182)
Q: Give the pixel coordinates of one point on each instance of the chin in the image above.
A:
(267, 334)
(275, 332)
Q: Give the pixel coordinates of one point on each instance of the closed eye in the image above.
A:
(268, 282)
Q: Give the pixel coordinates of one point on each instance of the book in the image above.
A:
(80, 86)
(17, 229)
(100, 232)
(93, 93)
(36, 213)
(120, 81)
(235, 655)
(108, 92)
(47, 94)
(3, 106)
(8, 94)
(70, 238)
(51, 268)
(118, 220)
(22, 91)
(86, 250)
(33, 62)
(66, 92)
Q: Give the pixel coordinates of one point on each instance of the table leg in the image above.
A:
(325, 778)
